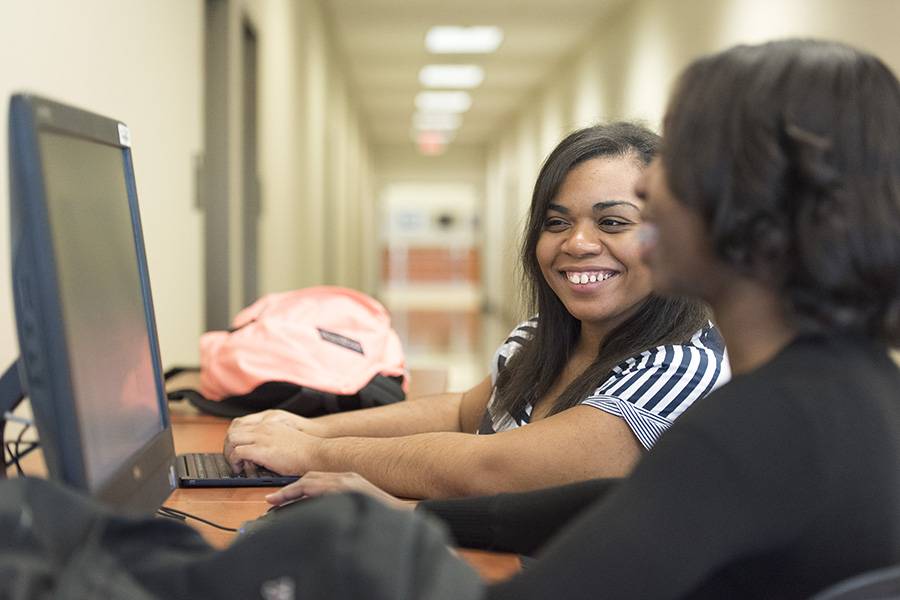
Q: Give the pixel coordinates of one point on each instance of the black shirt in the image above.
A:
(780, 483)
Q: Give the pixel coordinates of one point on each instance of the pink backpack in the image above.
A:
(311, 351)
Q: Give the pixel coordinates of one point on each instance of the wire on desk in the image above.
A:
(164, 511)
(16, 454)
(15, 458)
(174, 513)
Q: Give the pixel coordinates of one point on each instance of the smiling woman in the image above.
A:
(616, 346)
(582, 390)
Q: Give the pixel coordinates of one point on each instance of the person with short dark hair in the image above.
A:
(581, 390)
(777, 200)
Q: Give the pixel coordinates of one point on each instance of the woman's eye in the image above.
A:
(554, 224)
(613, 223)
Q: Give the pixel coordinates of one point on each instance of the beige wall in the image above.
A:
(142, 62)
(315, 158)
(626, 71)
(139, 62)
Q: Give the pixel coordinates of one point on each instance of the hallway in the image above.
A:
(338, 111)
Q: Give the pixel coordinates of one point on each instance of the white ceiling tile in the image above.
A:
(382, 43)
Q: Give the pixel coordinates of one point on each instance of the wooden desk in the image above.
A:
(195, 432)
(232, 506)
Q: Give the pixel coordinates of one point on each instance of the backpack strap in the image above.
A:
(381, 390)
(308, 402)
(304, 401)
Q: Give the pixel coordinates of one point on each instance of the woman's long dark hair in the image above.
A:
(535, 368)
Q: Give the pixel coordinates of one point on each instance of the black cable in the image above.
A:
(6, 448)
(32, 445)
(18, 454)
(162, 512)
(165, 511)
(13, 458)
(15, 454)
(175, 514)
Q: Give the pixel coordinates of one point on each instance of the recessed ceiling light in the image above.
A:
(450, 39)
(452, 102)
(451, 76)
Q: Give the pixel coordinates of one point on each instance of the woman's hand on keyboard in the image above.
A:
(273, 445)
(316, 483)
(299, 423)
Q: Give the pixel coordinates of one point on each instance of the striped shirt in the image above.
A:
(648, 390)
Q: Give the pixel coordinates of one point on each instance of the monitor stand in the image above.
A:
(11, 394)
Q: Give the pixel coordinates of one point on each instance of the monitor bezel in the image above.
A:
(145, 479)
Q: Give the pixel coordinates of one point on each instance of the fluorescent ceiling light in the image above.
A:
(452, 102)
(449, 39)
(437, 121)
(451, 76)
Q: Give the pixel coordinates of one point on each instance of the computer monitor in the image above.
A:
(89, 355)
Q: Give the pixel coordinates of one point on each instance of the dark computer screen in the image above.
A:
(89, 352)
(100, 296)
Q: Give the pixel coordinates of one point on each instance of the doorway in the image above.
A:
(230, 191)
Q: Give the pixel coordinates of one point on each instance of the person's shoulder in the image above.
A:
(811, 351)
(513, 342)
(705, 349)
(791, 387)
(708, 339)
(522, 332)
(803, 397)
(832, 366)
(526, 327)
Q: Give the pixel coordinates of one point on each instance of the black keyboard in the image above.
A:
(212, 470)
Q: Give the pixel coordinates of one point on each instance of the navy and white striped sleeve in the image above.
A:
(650, 390)
(515, 340)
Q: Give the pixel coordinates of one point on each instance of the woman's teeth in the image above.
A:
(591, 277)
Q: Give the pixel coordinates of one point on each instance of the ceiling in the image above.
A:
(382, 44)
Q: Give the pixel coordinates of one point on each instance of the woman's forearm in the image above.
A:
(439, 412)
